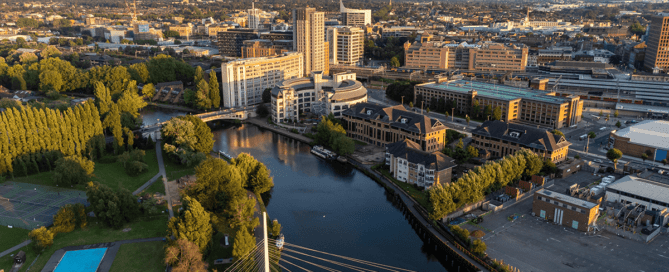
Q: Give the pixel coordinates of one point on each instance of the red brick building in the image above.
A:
(564, 210)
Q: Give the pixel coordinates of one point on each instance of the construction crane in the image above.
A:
(556, 84)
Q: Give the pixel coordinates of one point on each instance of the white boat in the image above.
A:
(279, 242)
(323, 153)
(225, 155)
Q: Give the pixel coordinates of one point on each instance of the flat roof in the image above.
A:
(496, 91)
(652, 133)
(641, 108)
(567, 199)
(642, 187)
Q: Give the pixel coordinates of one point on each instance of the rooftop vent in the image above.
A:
(514, 134)
(369, 112)
(403, 120)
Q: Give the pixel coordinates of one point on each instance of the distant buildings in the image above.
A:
(650, 137)
(319, 94)
(380, 126)
(657, 52)
(355, 17)
(346, 45)
(309, 39)
(231, 41)
(485, 57)
(410, 164)
(254, 17)
(265, 48)
(500, 139)
(517, 105)
(243, 81)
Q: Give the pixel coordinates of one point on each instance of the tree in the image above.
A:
(240, 212)
(615, 114)
(102, 97)
(467, 119)
(214, 90)
(614, 155)
(410, 104)
(192, 224)
(148, 91)
(557, 132)
(601, 113)
(577, 157)
(394, 62)
(43, 238)
(199, 75)
(267, 95)
(243, 244)
(428, 110)
(644, 156)
(487, 111)
(73, 170)
(276, 228)
(261, 110)
(185, 256)
(50, 51)
(497, 113)
(27, 58)
(460, 144)
(114, 208)
(139, 72)
(472, 151)
(618, 124)
(476, 108)
(130, 100)
(592, 135)
(65, 220)
(50, 80)
(202, 100)
(664, 161)
(478, 247)
(441, 202)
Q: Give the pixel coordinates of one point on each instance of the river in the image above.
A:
(326, 206)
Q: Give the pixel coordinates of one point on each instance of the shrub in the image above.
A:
(294, 131)
(461, 233)
(64, 221)
(43, 238)
(135, 168)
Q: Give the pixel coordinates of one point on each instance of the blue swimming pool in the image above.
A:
(86, 260)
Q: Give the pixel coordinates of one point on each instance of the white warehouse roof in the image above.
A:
(651, 133)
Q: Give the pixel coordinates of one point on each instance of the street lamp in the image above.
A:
(452, 113)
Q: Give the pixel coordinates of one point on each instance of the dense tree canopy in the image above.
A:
(193, 224)
(114, 208)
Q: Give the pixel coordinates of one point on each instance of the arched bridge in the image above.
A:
(242, 113)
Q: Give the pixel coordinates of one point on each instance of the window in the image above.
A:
(574, 224)
(542, 214)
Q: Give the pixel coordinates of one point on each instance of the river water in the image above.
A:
(327, 206)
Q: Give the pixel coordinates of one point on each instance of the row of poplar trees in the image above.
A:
(30, 135)
(472, 186)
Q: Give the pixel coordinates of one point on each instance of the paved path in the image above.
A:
(15, 248)
(147, 184)
(107, 260)
(410, 205)
(161, 167)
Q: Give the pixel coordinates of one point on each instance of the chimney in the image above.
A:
(526, 131)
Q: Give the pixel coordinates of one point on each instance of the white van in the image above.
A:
(583, 137)
(603, 128)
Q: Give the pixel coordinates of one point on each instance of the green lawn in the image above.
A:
(174, 170)
(11, 237)
(416, 194)
(156, 187)
(93, 234)
(147, 256)
(220, 252)
(110, 174)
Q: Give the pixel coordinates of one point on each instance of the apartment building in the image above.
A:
(231, 41)
(254, 17)
(345, 45)
(243, 81)
(429, 54)
(518, 105)
(564, 209)
(408, 163)
(498, 57)
(309, 39)
(657, 52)
(378, 125)
(355, 17)
(499, 139)
(319, 94)
(264, 48)
(184, 30)
(213, 30)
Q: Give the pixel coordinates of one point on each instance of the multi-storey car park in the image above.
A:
(518, 105)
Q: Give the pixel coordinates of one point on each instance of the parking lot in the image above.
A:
(531, 244)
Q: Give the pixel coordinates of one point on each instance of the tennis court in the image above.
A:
(30, 206)
(85, 260)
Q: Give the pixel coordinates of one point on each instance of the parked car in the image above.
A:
(597, 161)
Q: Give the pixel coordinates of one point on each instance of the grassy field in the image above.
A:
(156, 187)
(110, 174)
(11, 237)
(220, 252)
(174, 170)
(147, 256)
(94, 233)
(415, 193)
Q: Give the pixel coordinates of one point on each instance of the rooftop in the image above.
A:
(642, 187)
(397, 116)
(567, 199)
(412, 152)
(524, 135)
(495, 91)
(651, 133)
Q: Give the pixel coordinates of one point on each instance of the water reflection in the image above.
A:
(152, 114)
(329, 206)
